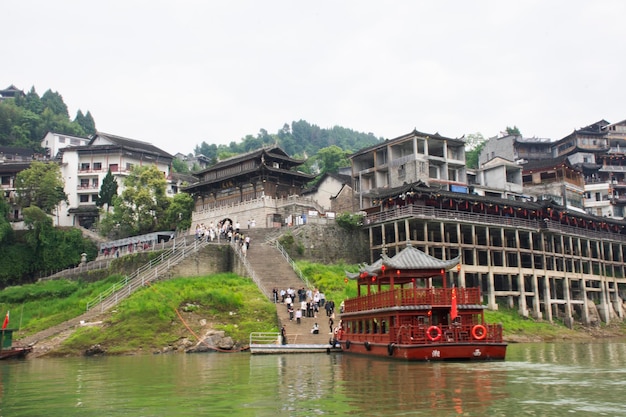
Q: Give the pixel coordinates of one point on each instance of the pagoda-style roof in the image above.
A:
(409, 263)
(266, 154)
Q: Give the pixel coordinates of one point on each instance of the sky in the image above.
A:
(179, 73)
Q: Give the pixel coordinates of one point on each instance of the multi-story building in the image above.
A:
(54, 142)
(263, 185)
(432, 159)
(515, 148)
(84, 167)
(497, 178)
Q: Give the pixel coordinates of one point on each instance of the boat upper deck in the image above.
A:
(405, 297)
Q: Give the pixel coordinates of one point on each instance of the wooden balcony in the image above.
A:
(404, 297)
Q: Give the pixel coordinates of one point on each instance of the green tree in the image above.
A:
(140, 206)
(54, 101)
(6, 232)
(86, 122)
(474, 144)
(331, 159)
(40, 185)
(178, 165)
(178, 213)
(108, 191)
(513, 131)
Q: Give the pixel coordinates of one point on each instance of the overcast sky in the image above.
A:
(178, 73)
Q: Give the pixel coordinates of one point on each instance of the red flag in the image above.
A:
(453, 310)
(6, 321)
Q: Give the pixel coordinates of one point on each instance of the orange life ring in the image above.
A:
(436, 336)
(479, 332)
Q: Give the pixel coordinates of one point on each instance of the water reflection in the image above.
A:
(536, 380)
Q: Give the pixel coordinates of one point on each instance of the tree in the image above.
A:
(40, 185)
(108, 191)
(140, 206)
(514, 131)
(86, 122)
(474, 144)
(6, 232)
(178, 165)
(178, 213)
(54, 102)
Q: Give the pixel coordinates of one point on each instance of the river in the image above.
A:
(556, 379)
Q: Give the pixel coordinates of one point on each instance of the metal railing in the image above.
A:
(250, 271)
(295, 268)
(144, 275)
(265, 338)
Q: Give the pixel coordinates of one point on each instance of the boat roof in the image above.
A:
(410, 260)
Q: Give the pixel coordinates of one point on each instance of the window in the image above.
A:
(129, 166)
(84, 198)
(84, 166)
(84, 183)
(94, 198)
(94, 182)
(6, 180)
(97, 166)
(114, 167)
(61, 139)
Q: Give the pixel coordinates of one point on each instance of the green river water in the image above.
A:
(586, 379)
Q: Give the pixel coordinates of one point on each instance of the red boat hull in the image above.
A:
(15, 352)
(430, 351)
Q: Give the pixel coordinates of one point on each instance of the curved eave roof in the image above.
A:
(409, 258)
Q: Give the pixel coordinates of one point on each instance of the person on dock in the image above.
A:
(315, 329)
(283, 335)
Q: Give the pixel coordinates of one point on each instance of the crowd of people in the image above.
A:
(304, 304)
(225, 230)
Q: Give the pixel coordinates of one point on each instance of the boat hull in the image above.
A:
(429, 352)
(15, 352)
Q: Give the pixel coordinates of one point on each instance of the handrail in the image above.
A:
(143, 275)
(265, 338)
(251, 272)
(295, 268)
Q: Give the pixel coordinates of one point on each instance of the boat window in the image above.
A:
(375, 326)
(383, 327)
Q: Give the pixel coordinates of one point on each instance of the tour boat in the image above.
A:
(406, 310)
(7, 350)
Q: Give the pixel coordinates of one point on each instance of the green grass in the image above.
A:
(149, 320)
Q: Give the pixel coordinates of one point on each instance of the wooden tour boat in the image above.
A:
(406, 310)
(7, 350)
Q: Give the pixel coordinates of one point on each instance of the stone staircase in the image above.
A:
(274, 271)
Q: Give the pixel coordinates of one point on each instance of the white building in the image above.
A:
(84, 167)
(54, 142)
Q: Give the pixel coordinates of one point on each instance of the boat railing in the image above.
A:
(399, 297)
(424, 334)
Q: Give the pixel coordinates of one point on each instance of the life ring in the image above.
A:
(479, 332)
(390, 347)
(367, 346)
(347, 344)
(433, 337)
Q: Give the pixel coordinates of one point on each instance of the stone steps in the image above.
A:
(274, 271)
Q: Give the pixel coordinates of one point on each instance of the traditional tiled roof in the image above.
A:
(130, 144)
(273, 152)
(409, 258)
